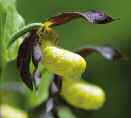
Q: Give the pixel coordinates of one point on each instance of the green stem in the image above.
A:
(22, 31)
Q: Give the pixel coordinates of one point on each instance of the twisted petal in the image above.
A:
(93, 16)
(107, 52)
(24, 57)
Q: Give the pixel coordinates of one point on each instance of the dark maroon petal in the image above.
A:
(49, 105)
(58, 80)
(36, 55)
(107, 52)
(55, 85)
(97, 17)
(24, 57)
(36, 58)
(93, 16)
(36, 78)
(63, 18)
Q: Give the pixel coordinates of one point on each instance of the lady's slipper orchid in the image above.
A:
(41, 46)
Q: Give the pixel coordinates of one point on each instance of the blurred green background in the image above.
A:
(114, 77)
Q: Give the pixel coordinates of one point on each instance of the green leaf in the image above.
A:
(65, 112)
(10, 22)
(11, 86)
(39, 96)
(10, 72)
(12, 91)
